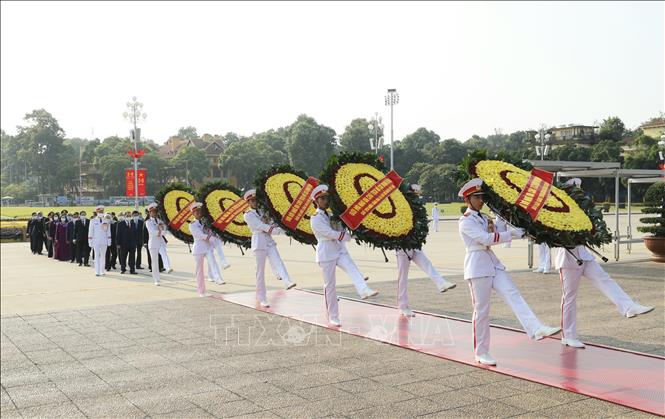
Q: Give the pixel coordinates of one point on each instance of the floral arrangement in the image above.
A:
(172, 200)
(399, 222)
(276, 189)
(217, 197)
(566, 219)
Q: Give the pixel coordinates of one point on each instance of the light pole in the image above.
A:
(392, 98)
(543, 149)
(135, 114)
(375, 125)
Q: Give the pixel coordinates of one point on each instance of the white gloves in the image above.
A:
(517, 233)
(347, 237)
(277, 231)
(108, 242)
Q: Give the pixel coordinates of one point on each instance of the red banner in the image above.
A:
(182, 216)
(238, 207)
(535, 192)
(129, 182)
(368, 201)
(299, 205)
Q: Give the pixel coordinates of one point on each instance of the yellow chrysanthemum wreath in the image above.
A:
(217, 197)
(172, 200)
(560, 212)
(276, 188)
(399, 222)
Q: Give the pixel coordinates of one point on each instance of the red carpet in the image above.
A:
(627, 378)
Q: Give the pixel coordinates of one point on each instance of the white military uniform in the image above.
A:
(571, 273)
(330, 253)
(214, 270)
(485, 272)
(264, 247)
(404, 259)
(99, 238)
(157, 246)
(500, 225)
(435, 219)
(544, 258)
(200, 250)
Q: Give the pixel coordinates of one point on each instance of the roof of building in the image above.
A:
(656, 123)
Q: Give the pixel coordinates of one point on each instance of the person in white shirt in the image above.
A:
(571, 273)
(544, 259)
(418, 257)
(202, 247)
(264, 247)
(485, 272)
(331, 252)
(435, 217)
(156, 245)
(99, 238)
(214, 271)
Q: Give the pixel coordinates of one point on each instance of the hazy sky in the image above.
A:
(459, 68)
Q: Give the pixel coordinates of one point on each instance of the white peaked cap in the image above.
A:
(573, 182)
(471, 187)
(151, 206)
(320, 190)
(249, 194)
(195, 205)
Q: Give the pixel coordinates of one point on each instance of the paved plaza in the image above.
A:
(75, 345)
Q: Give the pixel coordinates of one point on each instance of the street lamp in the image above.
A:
(392, 98)
(135, 114)
(376, 126)
(543, 149)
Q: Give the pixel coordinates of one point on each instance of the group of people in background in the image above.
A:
(109, 239)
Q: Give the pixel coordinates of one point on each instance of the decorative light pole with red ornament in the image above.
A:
(134, 114)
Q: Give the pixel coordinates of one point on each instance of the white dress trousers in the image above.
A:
(403, 264)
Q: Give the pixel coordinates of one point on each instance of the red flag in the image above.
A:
(535, 192)
(368, 201)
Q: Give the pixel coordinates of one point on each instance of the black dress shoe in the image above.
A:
(80, 264)
(122, 272)
(139, 267)
(87, 264)
(133, 272)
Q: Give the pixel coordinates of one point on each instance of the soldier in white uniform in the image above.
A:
(571, 273)
(485, 272)
(202, 247)
(99, 238)
(156, 244)
(435, 217)
(214, 271)
(331, 252)
(404, 259)
(544, 259)
(264, 247)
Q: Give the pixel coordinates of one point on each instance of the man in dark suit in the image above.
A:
(31, 222)
(81, 240)
(112, 250)
(126, 240)
(37, 234)
(71, 222)
(139, 237)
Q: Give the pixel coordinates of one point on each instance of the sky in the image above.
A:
(459, 68)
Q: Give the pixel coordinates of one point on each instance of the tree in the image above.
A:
(244, 159)
(41, 146)
(191, 164)
(571, 152)
(612, 128)
(112, 168)
(356, 136)
(309, 145)
(606, 150)
(438, 182)
(187, 133)
(448, 151)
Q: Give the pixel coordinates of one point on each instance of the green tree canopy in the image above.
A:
(309, 145)
(356, 136)
(187, 133)
(191, 164)
(612, 128)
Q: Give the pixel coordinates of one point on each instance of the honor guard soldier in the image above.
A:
(571, 274)
(99, 238)
(404, 259)
(202, 247)
(156, 244)
(485, 272)
(331, 252)
(264, 247)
